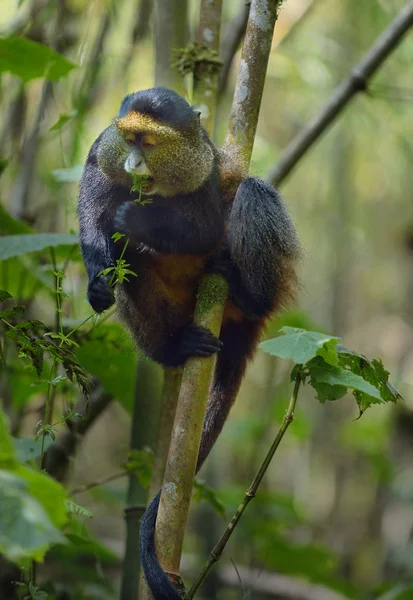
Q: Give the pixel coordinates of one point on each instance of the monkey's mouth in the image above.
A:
(143, 185)
(147, 185)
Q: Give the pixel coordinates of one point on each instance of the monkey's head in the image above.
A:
(158, 136)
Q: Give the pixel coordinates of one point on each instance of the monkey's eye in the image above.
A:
(148, 142)
(130, 139)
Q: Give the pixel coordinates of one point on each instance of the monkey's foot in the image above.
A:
(191, 340)
(100, 295)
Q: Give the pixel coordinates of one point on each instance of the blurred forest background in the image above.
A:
(334, 518)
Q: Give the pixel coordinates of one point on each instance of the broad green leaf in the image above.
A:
(299, 345)
(63, 119)
(10, 225)
(15, 245)
(26, 530)
(109, 355)
(29, 60)
(47, 491)
(28, 449)
(69, 175)
(204, 493)
(23, 278)
(5, 296)
(331, 382)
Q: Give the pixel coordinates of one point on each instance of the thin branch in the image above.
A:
(101, 481)
(357, 81)
(250, 493)
(143, 434)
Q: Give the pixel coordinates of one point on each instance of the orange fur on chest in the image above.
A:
(176, 276)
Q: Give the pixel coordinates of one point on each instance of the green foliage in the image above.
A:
(140, 463)
(298, 345)
(25, 335)
(108, 354)
(332, 369)
(28, 59)
(204, 493)
(32, 509)
(16, 245)
(10, 225)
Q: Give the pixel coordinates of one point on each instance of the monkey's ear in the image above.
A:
(197, 112)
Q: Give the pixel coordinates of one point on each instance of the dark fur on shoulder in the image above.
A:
(207, 217)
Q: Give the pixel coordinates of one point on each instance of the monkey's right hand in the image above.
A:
(99, 294)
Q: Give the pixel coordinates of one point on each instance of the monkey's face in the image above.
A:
(171, 161)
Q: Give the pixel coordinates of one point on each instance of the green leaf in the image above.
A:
(203, 493)
(76, 509)
(372, 371)
(140, 463)
(26, 530)
(47, 491)
(331, 382)
(28, 449)
(29, 60)
(63, 119)
(10, 225)
(109, 355)
(15, 245)
(5, 296)
(299, 345)
(69, 175)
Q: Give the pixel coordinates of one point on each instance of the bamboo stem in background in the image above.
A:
(170, 33)
(357, 81)
(143, 433)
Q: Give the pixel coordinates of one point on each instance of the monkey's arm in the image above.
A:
(168, 229)
(98, 200)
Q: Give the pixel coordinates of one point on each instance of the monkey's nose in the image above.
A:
(134, 163)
